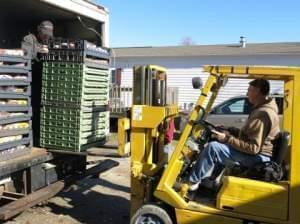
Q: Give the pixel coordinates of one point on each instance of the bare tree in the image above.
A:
(187, 41)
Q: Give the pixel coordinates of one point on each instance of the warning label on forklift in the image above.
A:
(137, 113)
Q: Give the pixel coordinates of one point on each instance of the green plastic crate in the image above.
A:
(72, 129)
(84, 112)
(84, 125)
(75, 78)
(71, 68)
(72, 138)
(74, 83)
(83, 118)
(86, 91)
(62, 65)
(73, 97)
(75, 93)
(67, 118)
(68, 83)
(73, 118)
(75, 100)
(70, 144)
(102, 130)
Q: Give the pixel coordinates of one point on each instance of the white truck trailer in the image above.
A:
(36, 176)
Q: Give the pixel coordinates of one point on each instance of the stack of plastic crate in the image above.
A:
(15, 104)
(75, 92)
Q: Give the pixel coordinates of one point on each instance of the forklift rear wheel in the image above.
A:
(151, 214)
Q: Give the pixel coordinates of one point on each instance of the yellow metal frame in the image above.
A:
(144, 127)
(146, 122)
(157, 68)
(191, 212)
(123, 143)
(254, 197)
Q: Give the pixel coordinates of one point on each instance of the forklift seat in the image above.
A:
(280, 147)
(272, 171)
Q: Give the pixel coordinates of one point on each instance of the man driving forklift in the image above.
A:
(265, 193)
(246, 147)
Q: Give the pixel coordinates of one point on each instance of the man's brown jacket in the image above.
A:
(259, 131)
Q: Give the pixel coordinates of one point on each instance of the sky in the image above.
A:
(168, 23)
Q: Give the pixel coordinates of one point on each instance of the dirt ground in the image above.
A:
(104, 199)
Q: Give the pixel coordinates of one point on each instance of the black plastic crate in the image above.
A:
(76, 51)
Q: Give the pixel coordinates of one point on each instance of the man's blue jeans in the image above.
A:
(216, 154)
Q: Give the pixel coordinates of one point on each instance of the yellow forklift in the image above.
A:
(159, 193)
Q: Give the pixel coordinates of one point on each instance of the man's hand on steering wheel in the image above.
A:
(220, 136)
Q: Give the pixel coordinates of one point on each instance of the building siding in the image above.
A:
(182, 79)
(181, 71)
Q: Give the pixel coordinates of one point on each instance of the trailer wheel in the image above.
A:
(151, 214)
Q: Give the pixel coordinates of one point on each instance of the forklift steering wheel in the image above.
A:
(208, 125)
(201, 132)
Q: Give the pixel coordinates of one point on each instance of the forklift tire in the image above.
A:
(149, 214)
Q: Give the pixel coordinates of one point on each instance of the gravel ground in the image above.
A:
(104, 199)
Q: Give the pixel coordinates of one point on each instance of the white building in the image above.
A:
(185, 62)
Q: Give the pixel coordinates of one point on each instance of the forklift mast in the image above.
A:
(149, 86)
(148, 118)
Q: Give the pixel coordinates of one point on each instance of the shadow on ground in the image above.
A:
(87, 205)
